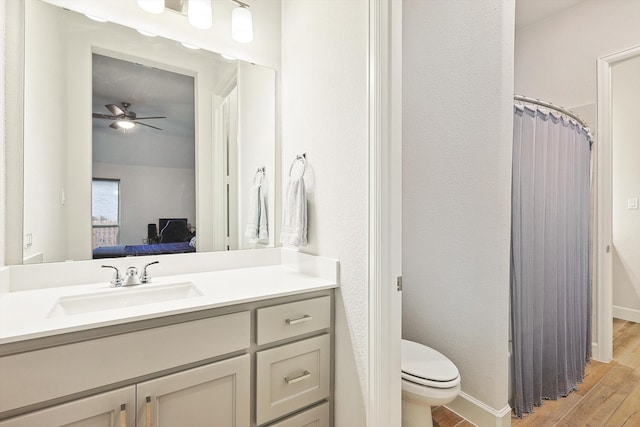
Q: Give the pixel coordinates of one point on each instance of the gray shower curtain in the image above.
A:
(550, 289)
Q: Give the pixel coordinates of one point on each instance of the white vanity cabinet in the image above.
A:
(212, 395)
(101, 410)
(262, 363)
(294, 375)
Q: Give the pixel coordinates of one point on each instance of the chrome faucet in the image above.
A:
(131, 276)
(145, 278)
(116, 280)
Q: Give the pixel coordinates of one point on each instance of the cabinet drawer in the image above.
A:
(289, 320)
(317, 416)
(291, 377)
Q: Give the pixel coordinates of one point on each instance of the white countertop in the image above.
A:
(27, 314)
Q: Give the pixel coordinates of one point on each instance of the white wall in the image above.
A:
(625, 86)
(457, 138)
(3, 176)
(555, 59)
(256, 140)
(44, 213)
(325, 114)
(148, 193)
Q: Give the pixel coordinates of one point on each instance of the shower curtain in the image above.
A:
(550, 284)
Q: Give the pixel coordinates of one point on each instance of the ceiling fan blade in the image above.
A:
(115, 110)
(142, 118)
(144, 124)
(103, 116)
(113, 125)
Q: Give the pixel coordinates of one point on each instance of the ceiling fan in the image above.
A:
(123, 118)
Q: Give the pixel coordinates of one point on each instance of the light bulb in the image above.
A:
(189, 46)
(146, 33)
(199, 14)
(241, 25)
(95, 18)
(125, 124)
(151, 6)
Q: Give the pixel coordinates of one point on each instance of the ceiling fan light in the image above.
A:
(241, 25)
(125, 124)
(199, 14)
(151, 6)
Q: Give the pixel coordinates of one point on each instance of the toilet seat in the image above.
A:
(426, 366)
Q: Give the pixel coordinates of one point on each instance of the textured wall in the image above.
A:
(555, 59)
(325, 114)
(3, 175)
(457, 137)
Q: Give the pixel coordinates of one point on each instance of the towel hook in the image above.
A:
(302, 158)
(261, 173)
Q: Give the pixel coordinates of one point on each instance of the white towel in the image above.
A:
(257, 228)
(294, 214)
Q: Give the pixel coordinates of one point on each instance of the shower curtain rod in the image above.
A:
(553, 107)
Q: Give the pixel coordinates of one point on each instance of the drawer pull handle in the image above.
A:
(304, 376)
(302, 319)
(148, 400)
(123, 415)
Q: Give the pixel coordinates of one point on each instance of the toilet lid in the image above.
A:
(424, 365)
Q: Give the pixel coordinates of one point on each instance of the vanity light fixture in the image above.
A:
(125, 124)
(199, 14)
(151, 6)
(189, 46)
(146, 33)
(95, 18)
(241, 23)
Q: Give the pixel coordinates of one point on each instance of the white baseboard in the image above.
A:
(478, 413)
(628, 314)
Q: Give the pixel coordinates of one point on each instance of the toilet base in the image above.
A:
(414, 412)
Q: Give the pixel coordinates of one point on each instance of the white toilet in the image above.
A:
(428, 379)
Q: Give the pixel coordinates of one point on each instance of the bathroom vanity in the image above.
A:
(243, 345)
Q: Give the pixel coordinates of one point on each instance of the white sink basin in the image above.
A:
(123, 297)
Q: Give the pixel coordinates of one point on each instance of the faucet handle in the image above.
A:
(116, 280)
(145, 278)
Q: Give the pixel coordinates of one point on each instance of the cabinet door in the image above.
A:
(101, 410)
(215, 395)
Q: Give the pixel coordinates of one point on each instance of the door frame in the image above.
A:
(602, 347)
(385, 212)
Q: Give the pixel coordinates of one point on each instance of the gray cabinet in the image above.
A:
(260, 363)
(213, 395)
(297, 373)
(217, 394)
(317, 416)
(101, 410)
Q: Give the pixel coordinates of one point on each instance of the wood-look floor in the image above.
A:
(609, 395)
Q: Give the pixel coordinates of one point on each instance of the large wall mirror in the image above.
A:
(203, 138)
